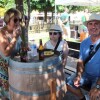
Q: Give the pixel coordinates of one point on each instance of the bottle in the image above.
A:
(34, 50)
(41, 50)
(23, 53)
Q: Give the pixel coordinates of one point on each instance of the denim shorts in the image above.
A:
(86, 80)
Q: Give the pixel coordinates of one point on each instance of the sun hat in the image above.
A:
(55, 28)
(92, 17)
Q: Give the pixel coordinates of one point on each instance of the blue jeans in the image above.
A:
(86, 80)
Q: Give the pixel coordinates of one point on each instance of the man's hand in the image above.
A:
(94, 94)
(77, 81)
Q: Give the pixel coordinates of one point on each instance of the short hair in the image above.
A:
(11, 13)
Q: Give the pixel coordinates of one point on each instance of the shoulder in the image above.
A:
(85, 41)
(46, 44)
(64, 42)
(3, 30)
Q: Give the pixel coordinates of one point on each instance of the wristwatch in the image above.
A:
(98, 86)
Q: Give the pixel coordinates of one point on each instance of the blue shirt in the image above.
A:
(93, 66)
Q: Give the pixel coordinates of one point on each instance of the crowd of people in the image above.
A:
(88, 65)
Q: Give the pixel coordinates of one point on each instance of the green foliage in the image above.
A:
(7, 3)
(42, 5)
(94, 9)
(71, 8)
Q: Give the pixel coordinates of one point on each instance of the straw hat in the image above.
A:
(92, 17)
(55, 27)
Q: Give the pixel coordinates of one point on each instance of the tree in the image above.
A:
(43, 5)
(94, 9)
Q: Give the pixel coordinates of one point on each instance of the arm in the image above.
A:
(64, 18)
(98, 82)
(95, 91)
(80, 70)
(65, 53)
(80, 67)
(6, 47)
(65, 21)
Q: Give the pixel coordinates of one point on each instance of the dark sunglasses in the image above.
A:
(54, 33)
(16, 20)
(91, 50)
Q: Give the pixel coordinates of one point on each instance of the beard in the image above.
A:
(95, 35)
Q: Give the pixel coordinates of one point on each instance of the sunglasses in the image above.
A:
(16, 20)
(53, 33)
(91, 52)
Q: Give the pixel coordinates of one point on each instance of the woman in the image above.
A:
(9, 45)
(55, 35)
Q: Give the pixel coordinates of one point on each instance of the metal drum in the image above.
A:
(29, 81)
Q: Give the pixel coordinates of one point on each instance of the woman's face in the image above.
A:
(94, 27)
(54, 36)
(14, 22)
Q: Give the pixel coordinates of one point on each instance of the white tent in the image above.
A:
(78, 2)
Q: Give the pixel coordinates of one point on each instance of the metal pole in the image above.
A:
(55, 11)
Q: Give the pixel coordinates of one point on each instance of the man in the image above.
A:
(65, 22)
(88, 72)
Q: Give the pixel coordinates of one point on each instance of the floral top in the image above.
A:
(4, 63)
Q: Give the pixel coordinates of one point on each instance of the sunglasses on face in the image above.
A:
(53, 33)
(16, 20)
(91, 50)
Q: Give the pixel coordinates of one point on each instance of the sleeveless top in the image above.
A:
(4, 61)
(60, 46)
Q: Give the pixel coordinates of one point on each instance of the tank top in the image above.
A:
(60, 46)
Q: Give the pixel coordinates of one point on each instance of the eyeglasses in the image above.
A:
(16, 20)
(54, 33)
(91, 52)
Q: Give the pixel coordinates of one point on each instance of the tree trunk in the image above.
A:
(20, 7)
(45, 18)
(28, 4)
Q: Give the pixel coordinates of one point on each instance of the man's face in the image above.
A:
(94, 27)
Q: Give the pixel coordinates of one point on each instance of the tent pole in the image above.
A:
(55, 12)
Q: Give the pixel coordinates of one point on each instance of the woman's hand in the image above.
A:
(94, 94)
(17, 32)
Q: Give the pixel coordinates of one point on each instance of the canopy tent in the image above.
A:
(78, 2)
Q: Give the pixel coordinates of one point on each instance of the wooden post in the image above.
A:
(52, 84)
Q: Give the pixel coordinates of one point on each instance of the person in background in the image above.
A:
(10, 43)
(88, 69)
(65, 22)
(85, 17)
(55, 34)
